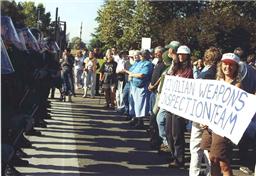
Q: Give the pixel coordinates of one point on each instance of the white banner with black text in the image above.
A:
(224, 108)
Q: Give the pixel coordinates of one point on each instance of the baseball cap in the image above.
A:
(174, 45)
(230, 57)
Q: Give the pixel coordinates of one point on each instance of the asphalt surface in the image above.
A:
(83, 138)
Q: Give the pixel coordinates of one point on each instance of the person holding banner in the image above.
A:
(169, 58)
(176, 124)
(220, 147)
(211, 57)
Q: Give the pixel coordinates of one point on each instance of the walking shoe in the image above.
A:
(133, 121)
(84, 96)
(164, 149)
(245, 170)
(128, 118)
(11, 171)
(21, 154)
(69, 98)
(139, 124)
(18, 162)
(24, 143)
(106, 105)
(33, 132)
(175, 164)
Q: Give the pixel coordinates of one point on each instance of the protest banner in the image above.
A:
(146, 43)
(224, 108)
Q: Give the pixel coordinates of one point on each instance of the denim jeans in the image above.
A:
(161, 122)
(152, 101)
(67, 81)
(78, 77)
(126, 95)
(90, 81)
(119, 95)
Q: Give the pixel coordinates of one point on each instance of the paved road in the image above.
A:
(82, 138)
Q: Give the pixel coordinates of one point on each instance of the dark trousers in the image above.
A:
(247, 158)
(175, 136)
(97, 86)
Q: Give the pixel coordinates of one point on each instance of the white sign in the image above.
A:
(226, 109)
(146, 43)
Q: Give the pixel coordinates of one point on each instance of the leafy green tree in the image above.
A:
(144, 23)
(109, 30)
(30, 11)
(26, 14)
(76, 43)
(95, 42)
(11, 9)
(45, 18)
(127, 9)
(199, 24)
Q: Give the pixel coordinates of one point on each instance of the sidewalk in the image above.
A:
(83, 138)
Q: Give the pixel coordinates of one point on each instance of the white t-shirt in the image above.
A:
(116, 58)
(89, 63)
(155, 61)
(79, 63)
(120, 65)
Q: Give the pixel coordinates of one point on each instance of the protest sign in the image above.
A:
(146, 43)
(224, 108)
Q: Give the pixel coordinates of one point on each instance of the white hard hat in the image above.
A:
(183, 49)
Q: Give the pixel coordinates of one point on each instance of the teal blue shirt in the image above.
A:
(144, 67)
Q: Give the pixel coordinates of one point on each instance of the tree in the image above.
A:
(25, 14)
(198, 24)
(76, 43)
(109, 30)
(12, 10)
(30, 12)
(45, 18)
(123, 23)
(96, 43)
(144, 23)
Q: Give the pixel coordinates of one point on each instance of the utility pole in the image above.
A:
(38, 18)
(56, 24)
(81, 34)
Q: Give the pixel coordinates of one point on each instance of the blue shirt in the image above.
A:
(144, 67)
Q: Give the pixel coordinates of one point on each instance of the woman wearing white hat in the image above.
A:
(220, 147)
(176, 125)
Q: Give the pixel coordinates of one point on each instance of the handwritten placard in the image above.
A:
(226, 109)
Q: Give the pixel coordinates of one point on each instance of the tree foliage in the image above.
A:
(76, 43)
(26, 14)
(199, 24)
(95, 42)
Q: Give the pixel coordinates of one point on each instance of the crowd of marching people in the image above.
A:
(132, 83)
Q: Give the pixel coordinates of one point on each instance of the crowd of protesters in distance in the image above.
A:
(132, 82)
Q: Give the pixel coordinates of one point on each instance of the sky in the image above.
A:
(74, 12)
